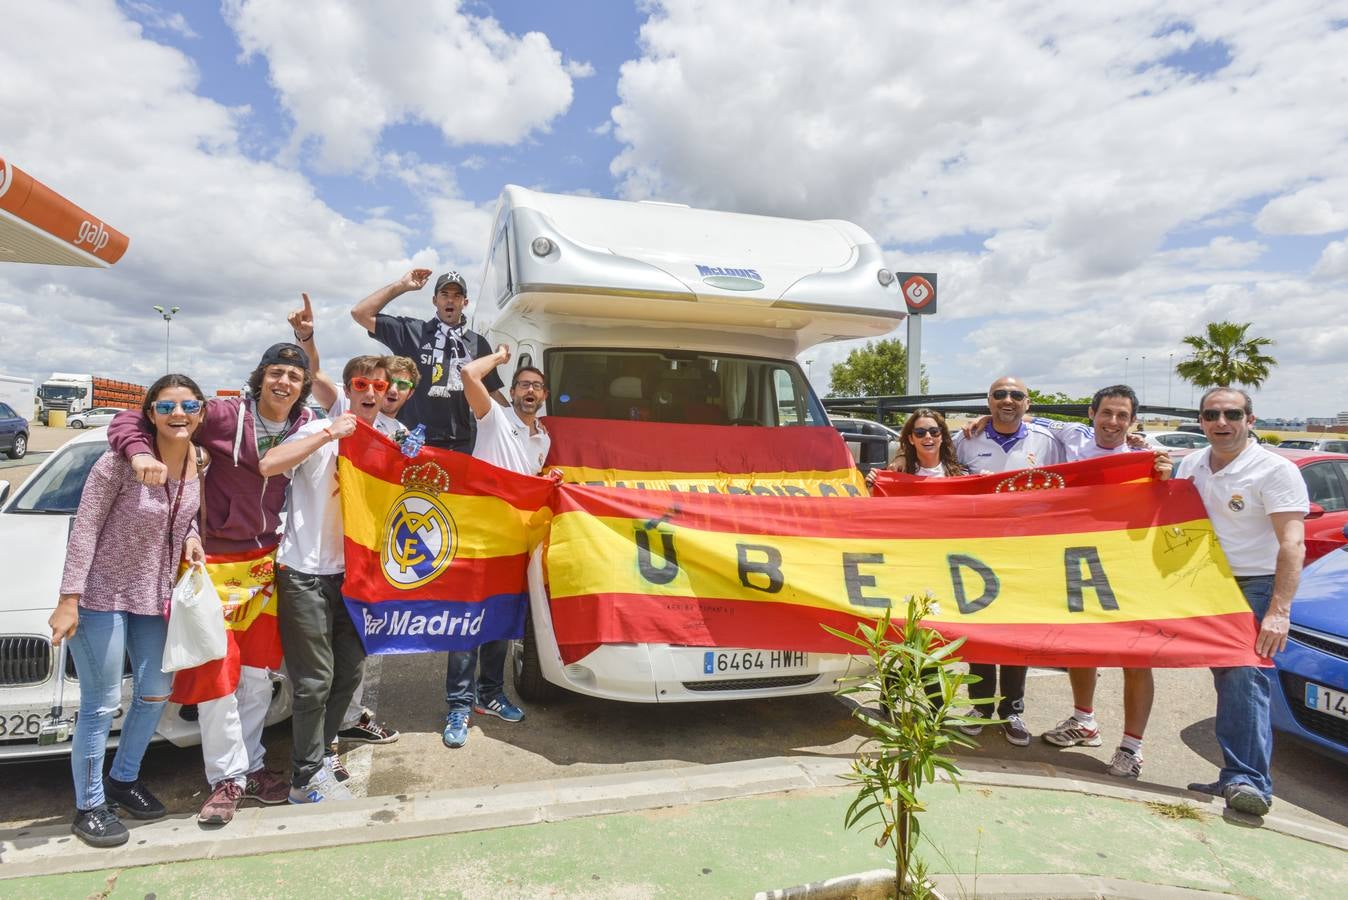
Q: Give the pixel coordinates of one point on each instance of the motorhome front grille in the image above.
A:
(1334, 646)
(24, 660)
(1313, 720)
(750, 684)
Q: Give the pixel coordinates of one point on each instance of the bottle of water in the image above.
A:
(413, 443)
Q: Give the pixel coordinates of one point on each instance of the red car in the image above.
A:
(1326, 477)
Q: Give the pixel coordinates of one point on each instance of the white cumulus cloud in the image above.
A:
(346, 70)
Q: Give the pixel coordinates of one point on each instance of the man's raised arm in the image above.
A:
(365, 311)
(302, 324)
(474, 391)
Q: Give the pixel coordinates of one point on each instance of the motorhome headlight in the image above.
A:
(885, 277)
(541, 246)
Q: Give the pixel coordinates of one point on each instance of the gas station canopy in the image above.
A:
(38, 225)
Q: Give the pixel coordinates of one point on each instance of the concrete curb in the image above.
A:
(51, 850)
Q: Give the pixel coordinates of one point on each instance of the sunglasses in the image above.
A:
(166, 407)
(359, 384)
(401, 384)
(1003, 394)
(927, 432)
(1231, 415)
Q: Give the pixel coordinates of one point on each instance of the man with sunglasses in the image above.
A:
(440, 346)
(510, 437)
(323, 652)
(1256, 501)
(1006, 443)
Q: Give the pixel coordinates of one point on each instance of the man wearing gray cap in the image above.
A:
(440, 346)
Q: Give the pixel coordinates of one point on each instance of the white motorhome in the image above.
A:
(662, 312)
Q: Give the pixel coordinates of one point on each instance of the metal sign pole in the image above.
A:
(914, 355)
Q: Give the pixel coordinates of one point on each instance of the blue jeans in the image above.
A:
(1244, 731)
(462, 689)
(101, 642)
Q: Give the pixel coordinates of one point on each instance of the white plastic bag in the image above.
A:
(196, 625)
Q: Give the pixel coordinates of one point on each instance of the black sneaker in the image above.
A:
(134, 798)
(100, 827)
(368, 731)
(336, 766)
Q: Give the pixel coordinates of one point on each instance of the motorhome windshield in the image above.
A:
(675, 386)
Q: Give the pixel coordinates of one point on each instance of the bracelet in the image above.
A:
(303, 339)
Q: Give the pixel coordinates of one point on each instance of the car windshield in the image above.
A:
(60, 392)
(1297, 445)
(56, 489)
(679, 386)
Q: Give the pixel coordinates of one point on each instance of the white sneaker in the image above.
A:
(1125, 764)
(323, 785)
(1069, 732)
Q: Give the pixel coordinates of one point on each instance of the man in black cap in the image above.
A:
(440, 346)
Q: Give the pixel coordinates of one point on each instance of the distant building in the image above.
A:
(1342, 419)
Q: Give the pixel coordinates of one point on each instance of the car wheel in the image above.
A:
(20, 446)
(76, 423)
(528, 671)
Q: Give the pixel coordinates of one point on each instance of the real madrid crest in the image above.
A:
(1031, 480)
(1236, 503)
(419, 536)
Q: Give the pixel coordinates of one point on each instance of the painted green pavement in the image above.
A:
(732, 848)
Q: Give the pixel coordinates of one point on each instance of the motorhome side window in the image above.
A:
(497, 279)
(677, 386)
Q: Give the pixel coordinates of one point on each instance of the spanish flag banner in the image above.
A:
(246, 583)
(436, 546)
(1117, 468)
(712, 459)
(1113, 574)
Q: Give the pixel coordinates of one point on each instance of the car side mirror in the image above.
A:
(1316, 511)
(4, 492)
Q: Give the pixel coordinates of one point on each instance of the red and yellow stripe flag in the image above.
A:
(1109, 574)
(246, 583)
(662, 456)
(436, 546)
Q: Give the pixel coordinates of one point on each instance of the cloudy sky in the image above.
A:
(1092, 182)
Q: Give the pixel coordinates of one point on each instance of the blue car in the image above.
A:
(13, 432)
(1310, 691)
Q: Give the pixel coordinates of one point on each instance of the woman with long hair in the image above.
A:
(926, 448)
(124, 551)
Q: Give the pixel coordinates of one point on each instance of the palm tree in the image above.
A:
(1226, 356)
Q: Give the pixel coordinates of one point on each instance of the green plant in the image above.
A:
(913, 729)
(1271, 439)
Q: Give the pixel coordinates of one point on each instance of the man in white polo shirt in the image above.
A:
(1006, 443)
(510, 437)
(1256, 501)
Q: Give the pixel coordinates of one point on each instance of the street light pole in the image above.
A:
(168, 319)
(1169, 377)
(1125, 370)
(1144, 379)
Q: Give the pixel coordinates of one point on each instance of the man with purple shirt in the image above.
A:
(1005, 444)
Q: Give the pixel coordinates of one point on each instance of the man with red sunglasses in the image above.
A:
(323, 652)
(1256, 501)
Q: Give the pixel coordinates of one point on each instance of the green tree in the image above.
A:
(879, 369)
(1224, 355)
(1043, 398)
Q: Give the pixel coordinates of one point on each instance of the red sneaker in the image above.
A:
(220, 805)
(267, 787)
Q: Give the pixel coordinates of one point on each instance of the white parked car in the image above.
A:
(34, 527)
(92, 418)
(886, 440)
(1175, 440)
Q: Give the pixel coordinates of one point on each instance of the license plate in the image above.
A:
(1327, 701)
(749, 662)
(21, 724)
